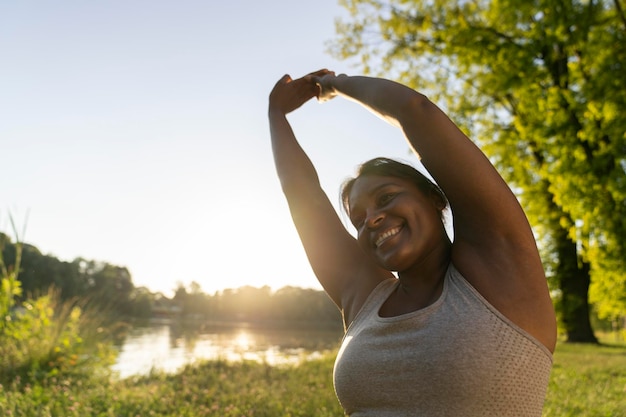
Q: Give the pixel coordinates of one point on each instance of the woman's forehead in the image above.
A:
(368, 185)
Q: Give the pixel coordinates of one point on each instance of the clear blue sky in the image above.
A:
(135, 133)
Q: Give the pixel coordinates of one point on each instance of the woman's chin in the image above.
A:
(393, 262)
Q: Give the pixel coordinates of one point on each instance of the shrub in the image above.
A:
(42, 337)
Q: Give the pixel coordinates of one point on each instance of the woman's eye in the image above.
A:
(385, 198)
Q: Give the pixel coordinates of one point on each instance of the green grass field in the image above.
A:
(586, 381)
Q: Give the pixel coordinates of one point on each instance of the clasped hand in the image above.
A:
(289, 94)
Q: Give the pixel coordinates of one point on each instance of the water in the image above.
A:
(169, 347)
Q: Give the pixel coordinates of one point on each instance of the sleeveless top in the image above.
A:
(457, 357)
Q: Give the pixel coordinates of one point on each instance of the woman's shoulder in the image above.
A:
(516, 288)
(369, 296)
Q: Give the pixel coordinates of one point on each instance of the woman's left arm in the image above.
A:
(494, 246)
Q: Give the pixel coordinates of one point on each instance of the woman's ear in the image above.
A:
(438, 200)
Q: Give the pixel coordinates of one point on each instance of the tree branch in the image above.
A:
(620, 12)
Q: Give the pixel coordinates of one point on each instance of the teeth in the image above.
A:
(386, 235)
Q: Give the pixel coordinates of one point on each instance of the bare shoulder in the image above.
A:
(511, 278)
(357, 294)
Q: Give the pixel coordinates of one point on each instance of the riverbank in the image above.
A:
(587, 381)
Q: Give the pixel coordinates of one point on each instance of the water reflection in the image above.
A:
(169, 347)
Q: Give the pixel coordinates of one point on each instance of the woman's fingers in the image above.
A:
(289, 94)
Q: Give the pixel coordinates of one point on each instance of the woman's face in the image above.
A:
(397, 224)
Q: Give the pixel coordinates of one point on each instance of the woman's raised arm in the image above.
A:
(341, 267)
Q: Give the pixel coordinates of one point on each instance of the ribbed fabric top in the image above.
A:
(456, 357)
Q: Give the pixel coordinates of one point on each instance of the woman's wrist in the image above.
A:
(328, 87)
(339, 79)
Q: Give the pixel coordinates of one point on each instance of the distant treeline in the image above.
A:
(110, 288)
(251, 304)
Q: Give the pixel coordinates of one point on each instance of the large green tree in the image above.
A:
(541, 86)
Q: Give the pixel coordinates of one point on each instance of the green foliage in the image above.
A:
(587, 381)
(44, 338)
(104, 284)
(110, 289)
(10, 287)
(540, 85)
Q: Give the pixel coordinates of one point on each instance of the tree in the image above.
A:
(110, 287)
(540, 85)
(142, 301)
(193, 302)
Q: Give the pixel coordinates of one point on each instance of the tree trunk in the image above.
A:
(573, 277)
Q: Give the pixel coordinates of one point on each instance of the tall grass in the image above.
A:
(48, 338)
(215, 388)
(43, 338)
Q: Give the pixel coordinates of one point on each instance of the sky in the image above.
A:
(135, 132)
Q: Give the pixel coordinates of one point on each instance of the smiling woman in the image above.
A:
(376, 193)
(478, 305)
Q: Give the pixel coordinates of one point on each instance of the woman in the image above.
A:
(467, 328)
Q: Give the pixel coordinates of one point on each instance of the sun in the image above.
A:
(243, 341)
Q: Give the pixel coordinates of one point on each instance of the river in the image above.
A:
(169, 346)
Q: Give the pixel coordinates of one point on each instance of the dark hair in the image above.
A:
(385, 167)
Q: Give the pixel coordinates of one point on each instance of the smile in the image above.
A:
(389, 233)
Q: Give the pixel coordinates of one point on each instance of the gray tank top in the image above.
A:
(457, 357)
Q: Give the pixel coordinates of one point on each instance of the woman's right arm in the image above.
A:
(346, 274)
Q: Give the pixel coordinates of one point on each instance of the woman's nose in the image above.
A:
(374, 218)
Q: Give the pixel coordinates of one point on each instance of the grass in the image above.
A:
(214, 388)
(586, 381)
